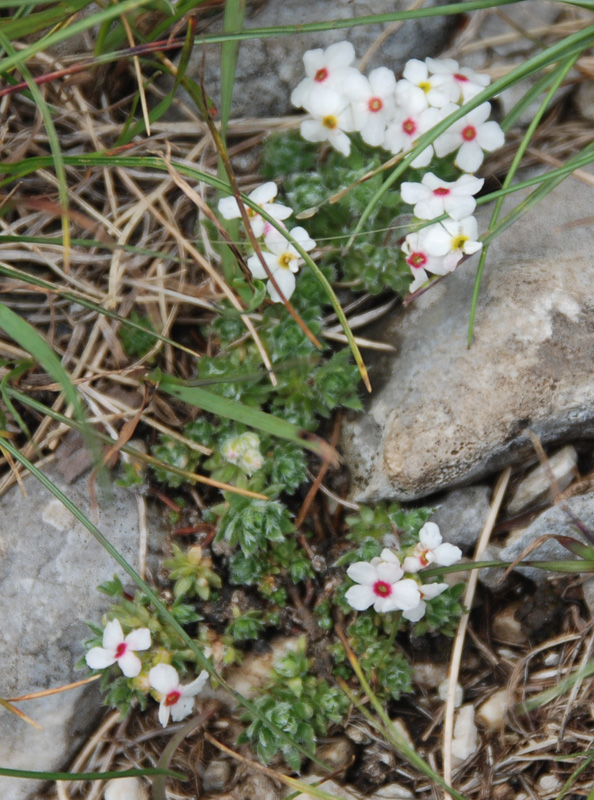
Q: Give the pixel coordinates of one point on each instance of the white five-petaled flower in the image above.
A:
(263, 196)
(324, 68)
(451, 239)
(283, 261)
(433, 197)
(428, 592)
(372, 102)
(411, 120)
(174, 699)
(467, 82)
(420, 260)
(472, 134)
(379, 584)
(437, 90)
(332, 119)
(119, 648)
(431, 550)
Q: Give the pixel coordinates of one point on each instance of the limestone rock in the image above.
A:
(269, 69)
(442, 414)
(50, 566)
(462, 514)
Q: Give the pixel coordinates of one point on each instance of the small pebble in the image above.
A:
(125, 789)
(216, 776)
(336, 754)
(465, 741)
(442, 691)
(506, 628)
(392, 791)
(492, 712)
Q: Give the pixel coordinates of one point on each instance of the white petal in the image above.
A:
(340, 55)
(389, 572)
(164, 678)
(228, 208)
(312, 130)
(382, 81)
(340, 141)
(113, 635)
(313, 60)
(360, 597)
(458, 207)
(414, 192)
(430, 208)
(412, 564)
(436, 240)
(323, 102)
(164, 712)
(423, 158)
(374, 129)
(470, 157)
(429, 535)
(286, 282)
(130, 664)
(408, 594)
(302, 237)
(447, 554)
(358, 89)
(194, 688)
(264, 193)
(255, 265)
(277, 210)
(431, 590)
(467, 184)
(416, 613)
(420, 277)
(362, 572)
(99, 658)
(300, 93)
(183, 708)
(490, 136)
(415, 71)
(389, 556)
(446, 143)
(140, 639)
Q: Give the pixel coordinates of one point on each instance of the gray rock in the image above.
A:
(444, 415)
(269, 69)
(50, 566)
(216, 776)
(462, 514)
(557, 473)
(554, 521)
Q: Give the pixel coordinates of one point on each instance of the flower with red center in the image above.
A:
(411, 120)
(431, 550)
(451, 239)
(262, 196)
(327, 68)
(470, 135)
(379, 583)
(433, 197)
(120, 649)
(436, 90)
(465, 82)
(428, 592)
(175, 700)
(420, 261)
(372, 101)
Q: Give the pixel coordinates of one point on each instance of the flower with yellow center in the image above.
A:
(332, 117)
(451, 239)
(437, 90)
(263, 196)
(282, 260)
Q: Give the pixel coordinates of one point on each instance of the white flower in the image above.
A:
(468, 83)
(430, 550)
(283, 261)
(412, 119)
(175, 699)
(379, 584)
(244, 450)
(373, 103)
(428, 592)
(472, 134)
(118, 648)
(263, 196)
(433, 197)
(420, 260)
(332, 117)
(438, 90)
(328, 68)
(451, 239)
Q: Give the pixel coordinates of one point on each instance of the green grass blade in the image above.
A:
(231, 409)
(232, 23)
(90, 776)
(558, 76)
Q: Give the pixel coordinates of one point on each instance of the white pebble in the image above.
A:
(492, 712)
(442, 691)
(125, 789)
(465, 741)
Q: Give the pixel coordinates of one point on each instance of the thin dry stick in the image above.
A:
(138, 71)
(448, 726)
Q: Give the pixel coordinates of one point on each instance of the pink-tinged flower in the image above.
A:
(433, 197)
(431, 550)
(333, 117)
(410, 121)
(428, 592)
(468, 83)
(263, 196)
(120, 649)
(451, 239)
(174, 699)
(471, 135)
(283, 261)
(437, 90)
(420, 261)
(324, 68)
(372, 102)
(379, 584)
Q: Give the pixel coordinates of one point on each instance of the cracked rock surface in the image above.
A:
(443, 415)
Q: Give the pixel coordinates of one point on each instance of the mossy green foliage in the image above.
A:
(135, 343)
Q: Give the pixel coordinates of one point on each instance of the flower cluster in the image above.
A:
(393, 114)
(281, 259)
(175, 700)
(381, 582)
(244, 451)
